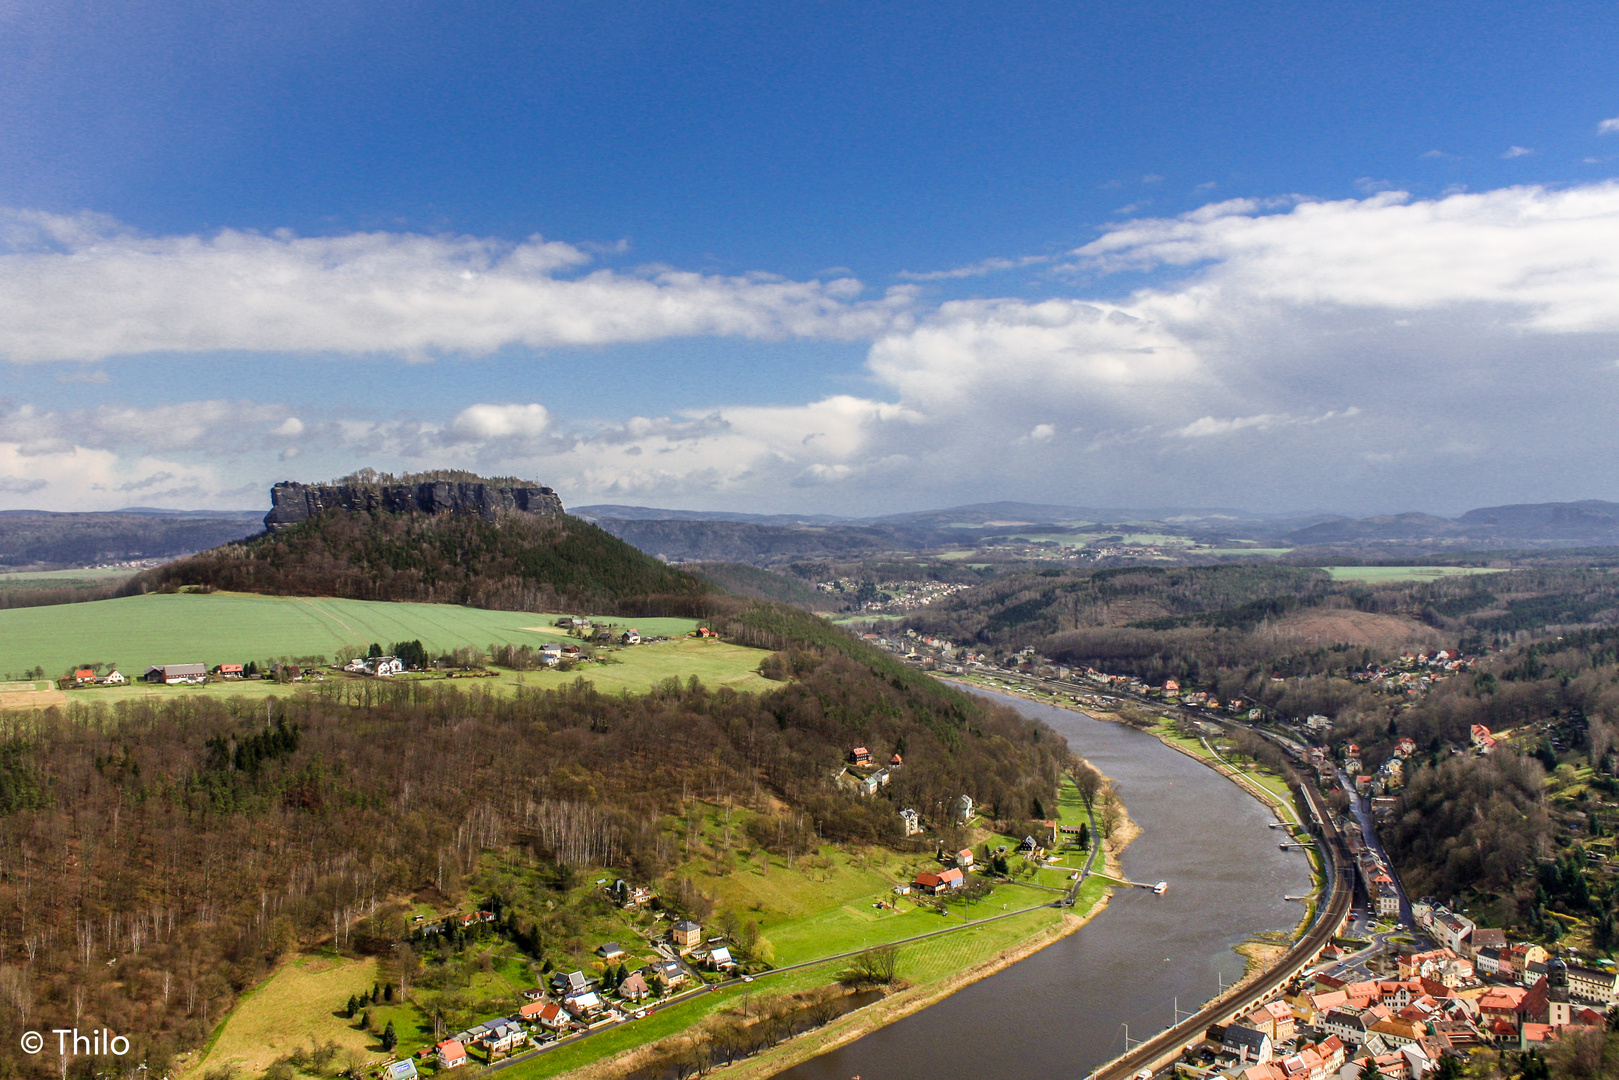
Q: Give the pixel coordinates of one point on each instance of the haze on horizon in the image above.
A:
(834, 260)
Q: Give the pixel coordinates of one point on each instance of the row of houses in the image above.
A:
(580, 1000)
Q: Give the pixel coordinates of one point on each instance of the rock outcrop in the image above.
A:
(291, 503)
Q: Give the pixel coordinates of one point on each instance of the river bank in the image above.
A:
(1062, 1010)
(896, 1005)
(1260, 952)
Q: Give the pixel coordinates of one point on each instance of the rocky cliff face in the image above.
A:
(291, 503)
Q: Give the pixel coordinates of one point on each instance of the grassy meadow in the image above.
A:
(1387, 575)
(295, 1007)
(135, 632)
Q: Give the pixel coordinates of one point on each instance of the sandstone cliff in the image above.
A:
(291, 503)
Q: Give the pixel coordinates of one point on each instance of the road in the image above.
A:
(1066, 901)
(1368, 830)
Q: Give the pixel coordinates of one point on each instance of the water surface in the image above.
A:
(1061, 1011)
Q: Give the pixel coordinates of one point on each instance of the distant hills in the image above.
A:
(766, 539)
(42, 540)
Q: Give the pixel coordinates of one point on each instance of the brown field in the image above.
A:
(13, 696)
(295, 1006)
(1347, 627)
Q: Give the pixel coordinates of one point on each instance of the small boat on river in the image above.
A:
(1160, 888)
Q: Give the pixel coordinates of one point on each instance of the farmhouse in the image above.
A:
(686, 934)
(229, 671)
(112, 678)
(172, 674)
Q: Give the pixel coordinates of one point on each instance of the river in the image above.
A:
(1060, 1012)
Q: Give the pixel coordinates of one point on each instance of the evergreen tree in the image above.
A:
(1369, 1071)
(389, 1038)
(1084, 834)
(352, 1007)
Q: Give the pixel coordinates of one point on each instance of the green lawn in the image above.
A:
(921, 962)
(1389, 574)
(138, 631)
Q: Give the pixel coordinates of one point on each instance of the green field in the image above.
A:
(61, 577)
(183, 628)
(1379, 575)
(295, 1007)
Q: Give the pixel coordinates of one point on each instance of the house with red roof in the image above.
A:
(451, 1054)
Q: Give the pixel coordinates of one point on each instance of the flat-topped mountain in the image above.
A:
(292, 503)
(444, 537)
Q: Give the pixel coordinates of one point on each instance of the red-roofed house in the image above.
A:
(451, 1054)
(1483, 741)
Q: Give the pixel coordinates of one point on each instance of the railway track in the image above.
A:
(1168, 1045)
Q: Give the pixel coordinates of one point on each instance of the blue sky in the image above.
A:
(832, 257)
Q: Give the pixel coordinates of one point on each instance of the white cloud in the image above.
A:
(994, 349)
(489, 422)
(84, 288)
(1209, 425)
(1550, 258)
(1516, 152)
(1474, 329)
(977, 269)
(82, 478)
(1609, 126)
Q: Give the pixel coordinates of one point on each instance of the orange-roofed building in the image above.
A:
(451, 1054)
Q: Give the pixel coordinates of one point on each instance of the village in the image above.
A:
(659, 955)
(1465, 988)
(589, 641)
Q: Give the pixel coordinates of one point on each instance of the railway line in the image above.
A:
(1163, 1048)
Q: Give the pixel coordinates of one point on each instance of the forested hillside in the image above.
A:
(518, 563)
(161, 857)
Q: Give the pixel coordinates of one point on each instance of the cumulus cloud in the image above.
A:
(489, 422)
(81, 478)
(1550, 256)
(1010, 347)
(1609, 126)
(1473, 330)
(86, 288)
